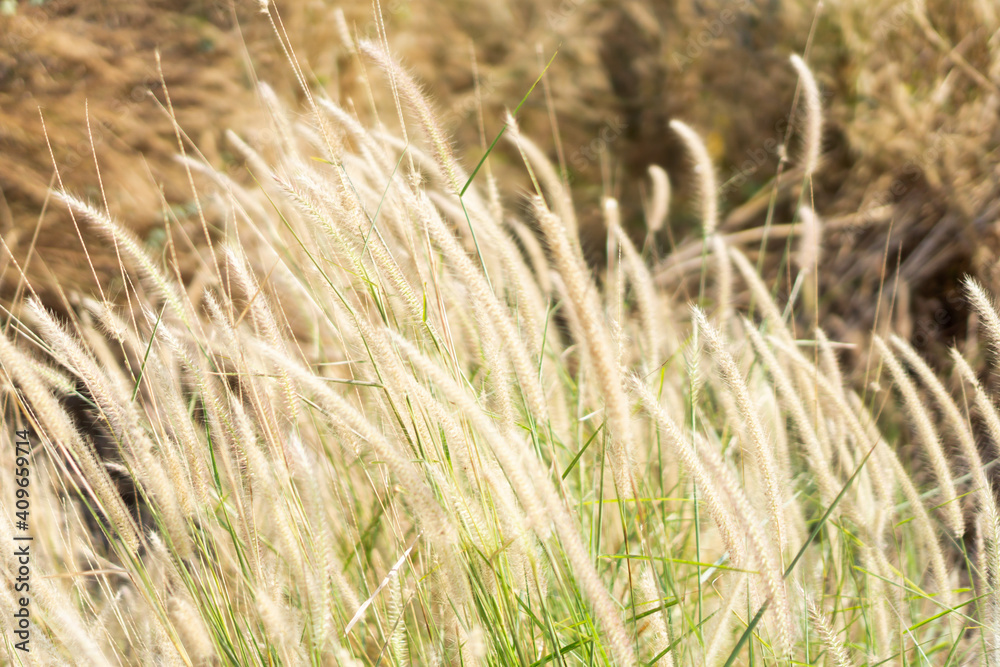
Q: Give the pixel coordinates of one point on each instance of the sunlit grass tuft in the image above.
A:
(390, 424)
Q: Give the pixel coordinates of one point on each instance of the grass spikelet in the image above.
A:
(546, 173)
(939, 570)
(379, 412)
(583, 298)
(724, 278)
(761, 294)
(704, 172)
(659, 204)
(254, 160)
(410, 91)
(956, 421)
(648, 303)
(134, 444)
(395, 608)
(263, 318)
(349, 421)
(614, 285)
(343, 32)
(988, 517)
(64, 437)
(986, 309)
(828, 360)
(929, 437)
(842, 406)
(757, 443)
(790, 398)
(280, 624)
(765, 550)
(812, 141)
(132, 249)
(659, 641)
(476, 281)
(536, 255)
(539, 499)
(987, 410)
(193, 633)
(836, 651)
(464, 450)
(722, 512)
(810, 243)
(722, 637)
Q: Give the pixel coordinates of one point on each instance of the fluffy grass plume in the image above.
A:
(396, 422)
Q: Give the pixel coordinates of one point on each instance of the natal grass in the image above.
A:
(394, 421)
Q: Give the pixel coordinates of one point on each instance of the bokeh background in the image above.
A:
(908, 190)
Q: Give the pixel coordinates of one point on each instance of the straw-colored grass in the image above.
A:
(393, 423)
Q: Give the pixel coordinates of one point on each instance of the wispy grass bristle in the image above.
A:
(391, 418)
(812, 140)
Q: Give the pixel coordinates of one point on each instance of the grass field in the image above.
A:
(398, 392)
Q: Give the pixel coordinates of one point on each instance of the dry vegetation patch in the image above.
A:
(343, 401)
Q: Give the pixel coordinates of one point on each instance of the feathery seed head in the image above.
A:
(705, 173)
(659, 205)
(813, 132)
(811, 240)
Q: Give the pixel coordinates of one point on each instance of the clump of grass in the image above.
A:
(390, 425)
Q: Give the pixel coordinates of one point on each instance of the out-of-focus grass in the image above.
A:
(394, 419)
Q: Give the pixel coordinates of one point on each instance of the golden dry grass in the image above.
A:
(378, 409)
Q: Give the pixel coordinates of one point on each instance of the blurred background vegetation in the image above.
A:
(911, 89)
